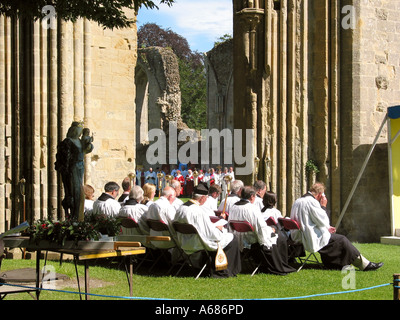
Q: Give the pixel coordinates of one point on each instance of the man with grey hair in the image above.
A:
(192, 212)
(317, 235)
(134, 209)
(233, 197)
(177, 187)
(106, 203)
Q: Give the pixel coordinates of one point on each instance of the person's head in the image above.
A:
(149, 191)
(136, 193)
(126, 184)
(89, 191)
(269, 199)
(317, 190)
(151, 169)
(200, 193)
(169, 193)
(112, 188)
(236, 187)
(177, 187)
(260, 187)
(249, 193)
(214, 191)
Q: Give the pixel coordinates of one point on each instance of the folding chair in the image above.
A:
(244, 227)
(160, 226)
(214, 219)
(271, 221)
(188, 229)
(297, 248)
(130, 223)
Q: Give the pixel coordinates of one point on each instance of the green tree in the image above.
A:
(193, 95)
(191, 70)
(108, 13)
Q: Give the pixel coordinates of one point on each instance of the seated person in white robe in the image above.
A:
(89, 195)
(192, 212)
(269, 210)
(260, 188)
(233, 197)
(106, 203)
(134, 209)
(264, 238)
(177, 187)
(317, 235)
(212, 198)
(163, 210)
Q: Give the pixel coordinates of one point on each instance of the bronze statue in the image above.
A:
(69, 163)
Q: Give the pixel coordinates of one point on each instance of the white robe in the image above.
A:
(137, 213)
(88, 206)
(110, 206)
(259, 203)
(211, 203)
(177, 203)
(230, 201)
(272, 212)
(161, 209)
(250, 213)
(209, 233)
(313, 221)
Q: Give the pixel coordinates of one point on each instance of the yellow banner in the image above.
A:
(394, 118)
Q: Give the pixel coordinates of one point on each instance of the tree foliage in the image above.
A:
(191, 70)
(151, 34)
(108, 13)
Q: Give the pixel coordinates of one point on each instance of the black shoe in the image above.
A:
(373, 266)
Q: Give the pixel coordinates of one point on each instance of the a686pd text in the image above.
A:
(202, 309)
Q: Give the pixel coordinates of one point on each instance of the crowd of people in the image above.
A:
(268, 244)
(188, 176)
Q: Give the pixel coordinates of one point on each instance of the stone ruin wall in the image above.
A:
(315, 90)
(50, 78)
(158, 99)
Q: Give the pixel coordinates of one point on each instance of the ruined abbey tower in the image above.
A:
(312, 78)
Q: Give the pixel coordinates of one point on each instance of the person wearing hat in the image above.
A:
(192, 212)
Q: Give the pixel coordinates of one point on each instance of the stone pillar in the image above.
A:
(248, 70)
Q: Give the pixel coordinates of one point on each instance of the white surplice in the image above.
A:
(195, 215)
(136, 211)
(161, 209)
(246, 211)
(106, 204)
(230, 201)
(313, 221)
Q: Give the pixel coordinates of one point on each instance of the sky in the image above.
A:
(201, 22)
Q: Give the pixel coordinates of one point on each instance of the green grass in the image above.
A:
(309, 281)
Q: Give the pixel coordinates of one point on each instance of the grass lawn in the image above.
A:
(307, 282)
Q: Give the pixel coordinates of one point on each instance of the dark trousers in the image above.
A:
(339, 252)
